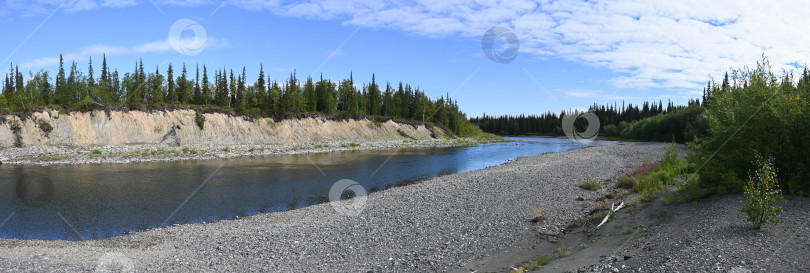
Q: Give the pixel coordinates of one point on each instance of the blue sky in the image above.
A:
(571, 53)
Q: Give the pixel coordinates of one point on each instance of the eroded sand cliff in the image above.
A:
(178, 128)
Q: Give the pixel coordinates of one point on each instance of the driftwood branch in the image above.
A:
(612, 210)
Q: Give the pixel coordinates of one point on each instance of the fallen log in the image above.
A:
(612, 210)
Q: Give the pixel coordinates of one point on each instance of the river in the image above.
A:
(80, 202)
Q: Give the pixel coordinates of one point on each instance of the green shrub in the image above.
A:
(95, 152)
(762, 194)
(756, 112)
(590, 185)
(200, 119)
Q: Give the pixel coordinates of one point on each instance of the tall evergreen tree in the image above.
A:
(170, 88)
(240, 91)
(91, 82)
(206, 89)
(197, 91)
(261, 99)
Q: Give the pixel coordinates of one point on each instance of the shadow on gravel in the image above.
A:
(710, 234)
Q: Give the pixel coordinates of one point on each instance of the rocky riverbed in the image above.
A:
(160, 152)
(437, 225)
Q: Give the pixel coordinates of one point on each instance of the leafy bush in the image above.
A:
(756, 112)
(762, 194)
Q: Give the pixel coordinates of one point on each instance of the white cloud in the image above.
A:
(97, 50)
(657, 43)
(674, 44)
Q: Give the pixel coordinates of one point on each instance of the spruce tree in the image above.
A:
(197, 91)
(91, 82)
(261, 92)
(206, 89)
(61, 86)
(170, 90)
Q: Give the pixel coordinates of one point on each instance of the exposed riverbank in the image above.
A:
(52, 137)
(162, 153)
(437, 225)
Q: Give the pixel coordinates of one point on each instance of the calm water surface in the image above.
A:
(95, 201)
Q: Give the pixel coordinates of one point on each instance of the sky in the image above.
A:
(493, 57)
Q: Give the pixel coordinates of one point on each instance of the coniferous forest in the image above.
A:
(187, 86)
(550, 123)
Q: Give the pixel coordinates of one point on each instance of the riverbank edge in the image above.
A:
(173, 248)
(122, 154)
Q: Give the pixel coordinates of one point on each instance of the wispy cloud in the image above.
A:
(673, 44)
(36, 7)
(658, 43)
(595, 95)
(97, 50)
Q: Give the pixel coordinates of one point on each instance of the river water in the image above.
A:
(80, 202)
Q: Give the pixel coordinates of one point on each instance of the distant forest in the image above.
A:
(550, 123)
(72, 89)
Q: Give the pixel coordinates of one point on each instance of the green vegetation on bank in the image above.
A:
(549, 124)
(754, 112)
(229, 92)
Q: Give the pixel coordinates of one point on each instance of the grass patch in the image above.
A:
(158, 130)
(562, 252)
(271, 122)
(346, 145)
(590, 185)
(95, 152)
(539, 262)
(226, 149)
(687, 190)
(538, 215)
(651, 179)
(626, 182)
(187, 150)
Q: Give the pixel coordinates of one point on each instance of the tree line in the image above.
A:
(72, 89)
(550, 123)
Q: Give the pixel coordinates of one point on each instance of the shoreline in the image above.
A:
(163, 153)
(439, 224)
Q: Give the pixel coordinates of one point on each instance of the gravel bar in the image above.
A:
(435, 225)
